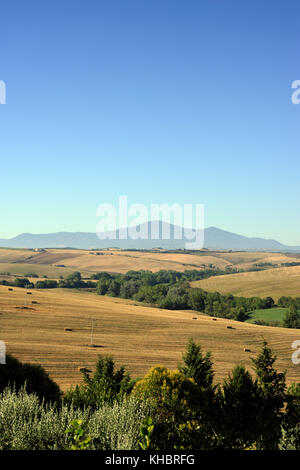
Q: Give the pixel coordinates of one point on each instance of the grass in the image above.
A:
(274, 282)
(268, 315)
(135, 335)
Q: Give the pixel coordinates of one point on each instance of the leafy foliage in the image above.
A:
(146, 430)
(76, 436)
(105, 385)
(292, 317)
(171, 290)
(239, 404)
(272, 388)
(28, 424)
(165, 410)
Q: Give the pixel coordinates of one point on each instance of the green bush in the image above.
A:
(105, 385)
(28, 424)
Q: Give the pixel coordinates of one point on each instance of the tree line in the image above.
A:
(166, 409)
(292, 316)
(171, 290)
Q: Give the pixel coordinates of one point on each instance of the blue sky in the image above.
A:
(163, 101)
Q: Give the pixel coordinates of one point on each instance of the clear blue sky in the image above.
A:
(160, 100)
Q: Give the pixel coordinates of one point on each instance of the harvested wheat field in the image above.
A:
(41, 270)
(13, 255)
(271, 282)
(55, 262)
(137, 336)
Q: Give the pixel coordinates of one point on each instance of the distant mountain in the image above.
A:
(217, 238)
(214, 238)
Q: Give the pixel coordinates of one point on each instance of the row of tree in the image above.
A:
(190, 411)
(171, 290)
(165, 276)
(291, 318)
(72, 281)
(187, 408)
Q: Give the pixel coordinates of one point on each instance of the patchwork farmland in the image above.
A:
(136, 335)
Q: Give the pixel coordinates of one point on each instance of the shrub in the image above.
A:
(174, 400)
(239, 410)
(291, 420)
(36, 380)
(106, 385)
(28, 424)
(169, 390)
(23, 282)
(271, 385)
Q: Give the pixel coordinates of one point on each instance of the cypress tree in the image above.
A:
(272, 386)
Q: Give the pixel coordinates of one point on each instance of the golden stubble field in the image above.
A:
(135, 335)
(50, 261)
(271, 282)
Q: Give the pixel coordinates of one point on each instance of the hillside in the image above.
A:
(56, 262)
(271, 282)
(214, 239)
(136, 335)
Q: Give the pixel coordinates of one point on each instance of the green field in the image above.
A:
(268, 315)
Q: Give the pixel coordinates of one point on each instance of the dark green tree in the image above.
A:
(129, 288)
(239, 404)
(102, 286)
(196, 299)
(272, 386)
(16, 374)
(291, 421)
(23, 282)
(291, 318)
(198, 366)
(114, 288)
(106, 385)
(176, 298)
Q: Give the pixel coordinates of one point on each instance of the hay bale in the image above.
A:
(84, 369)
(68, 329)
(247, 350)
(10, 288)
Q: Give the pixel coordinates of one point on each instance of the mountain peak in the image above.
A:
(214, 238)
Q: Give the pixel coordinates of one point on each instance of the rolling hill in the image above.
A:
(214, 238)
(56, 262)
(271, 282)
(136, 335)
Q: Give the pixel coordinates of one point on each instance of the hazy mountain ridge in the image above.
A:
(214, 238)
